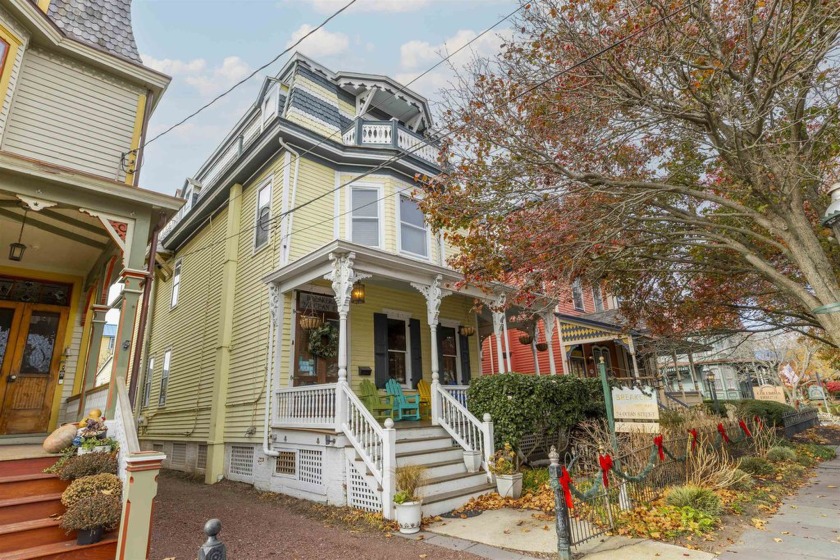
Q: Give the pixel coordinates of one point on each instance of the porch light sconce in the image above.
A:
(357, 295)
(16, 250)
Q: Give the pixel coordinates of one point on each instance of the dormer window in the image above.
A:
(270, 104)
(577, 295)
(414, 235)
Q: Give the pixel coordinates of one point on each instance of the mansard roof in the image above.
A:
(105, 24)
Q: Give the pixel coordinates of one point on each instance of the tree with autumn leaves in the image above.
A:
(678, 150)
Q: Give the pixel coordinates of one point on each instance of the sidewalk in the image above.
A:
(807, 525)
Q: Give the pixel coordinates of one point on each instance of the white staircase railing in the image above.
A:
(375, 445)
(311, 406)
(457, 391)
(468, 431)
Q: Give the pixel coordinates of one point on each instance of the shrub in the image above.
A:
(534, 480)
(822, 452)
(108, 484)
(756, 466)
(743, 480)
(522, 404)
(66, 454)
(700, 499)
(770, 412)
(87, 465)
(90, 512)
(409, 478)
(780, 454)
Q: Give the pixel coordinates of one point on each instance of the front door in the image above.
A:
(31, 345)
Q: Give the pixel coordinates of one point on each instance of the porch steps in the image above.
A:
(30, 510)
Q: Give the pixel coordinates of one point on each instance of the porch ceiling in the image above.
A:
(57, 239)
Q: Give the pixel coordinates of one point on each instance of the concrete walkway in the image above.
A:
(807, 525)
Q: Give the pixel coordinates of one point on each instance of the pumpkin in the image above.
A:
(60, 438)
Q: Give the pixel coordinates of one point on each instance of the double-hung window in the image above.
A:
(577, 295)
(413, 233)
(364, 227)
(263, 217)
(176, 284)
(597, 297)
(164, 378)
(398, 358)
(147, 383)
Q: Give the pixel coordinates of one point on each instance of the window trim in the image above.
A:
(380, 212)
(164, 377)
(267, 184)
(598, 298)
(399, 224)
(406, 320)
(147, 382)
(8, 62)
(271, 99)
(456, 326)
(577, 287)
(175, 295)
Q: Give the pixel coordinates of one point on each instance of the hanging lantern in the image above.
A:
(16, 250)
(357, 295)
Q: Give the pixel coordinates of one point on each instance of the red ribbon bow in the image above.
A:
(657, 441)
(722, 431)
(565, 482)
(744, 428)
(606, 463)
(757, 420)
(693, 433)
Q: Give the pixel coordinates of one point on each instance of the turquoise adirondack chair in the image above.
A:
(405, 407)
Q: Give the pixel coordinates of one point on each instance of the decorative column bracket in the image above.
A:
(342, 277)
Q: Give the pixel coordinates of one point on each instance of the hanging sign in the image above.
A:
(635, 410)
(769, 393)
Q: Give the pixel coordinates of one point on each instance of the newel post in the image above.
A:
(561, 509)
(389, 469)
(489, 444)
(434, 294)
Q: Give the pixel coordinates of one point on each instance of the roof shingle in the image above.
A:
(106, 24)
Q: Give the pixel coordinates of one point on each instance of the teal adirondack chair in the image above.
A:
(405, 407)
(381, 406)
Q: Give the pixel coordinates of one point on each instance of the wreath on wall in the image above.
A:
(323, 341)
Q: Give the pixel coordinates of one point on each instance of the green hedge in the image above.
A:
(521, 404)
(770, 412)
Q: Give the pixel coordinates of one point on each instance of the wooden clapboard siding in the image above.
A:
(11, 27)
(190, 330)
(71, 115)
(311, 225)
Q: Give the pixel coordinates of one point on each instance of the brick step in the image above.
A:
(13, 510)
(34, 465)
(106, 549)
(24, 485)
(15, 536)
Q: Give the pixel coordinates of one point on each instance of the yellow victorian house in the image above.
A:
(299, 283)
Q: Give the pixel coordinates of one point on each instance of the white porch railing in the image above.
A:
(375, 445)
(312, 406)
(467, 430)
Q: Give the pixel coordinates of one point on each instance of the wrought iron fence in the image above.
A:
(800, 421)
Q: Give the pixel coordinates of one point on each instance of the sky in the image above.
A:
(207, 46)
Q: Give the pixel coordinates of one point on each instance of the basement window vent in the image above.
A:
(241, 463)
(286, 463)
(179, 454)
(201, 461)
(158, 447)
(312, 466)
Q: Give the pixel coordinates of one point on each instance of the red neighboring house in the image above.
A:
(587, 327)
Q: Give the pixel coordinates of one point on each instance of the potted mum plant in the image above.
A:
(91, 516)
(409, 513)
(504, 467)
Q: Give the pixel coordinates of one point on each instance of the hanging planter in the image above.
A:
(310, 322)
(466, 331)
(525, 339)
(542, 346)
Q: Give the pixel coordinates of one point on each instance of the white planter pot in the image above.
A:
(408, 517)
(509, 485)
(472, 460)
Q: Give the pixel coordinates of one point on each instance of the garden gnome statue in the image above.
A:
(212, 549)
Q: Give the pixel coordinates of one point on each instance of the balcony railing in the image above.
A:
(390, 134)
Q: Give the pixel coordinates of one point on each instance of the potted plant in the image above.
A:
(97, 445)
(472, 460)
(92, 515)
(409, 513)
(525, 339)
(504, 467)
(542, 346)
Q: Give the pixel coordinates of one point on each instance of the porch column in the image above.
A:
(691, 371)
(548, 319)
(342, 276)
(133, 280)
(677, 373)
(498, 318)
(96, 329)
(632, 348)
(507, 343)
(534, 351)
(564, 357)
(433, 294)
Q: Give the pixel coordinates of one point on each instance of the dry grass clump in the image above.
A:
(709, 468)
(409, 478)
